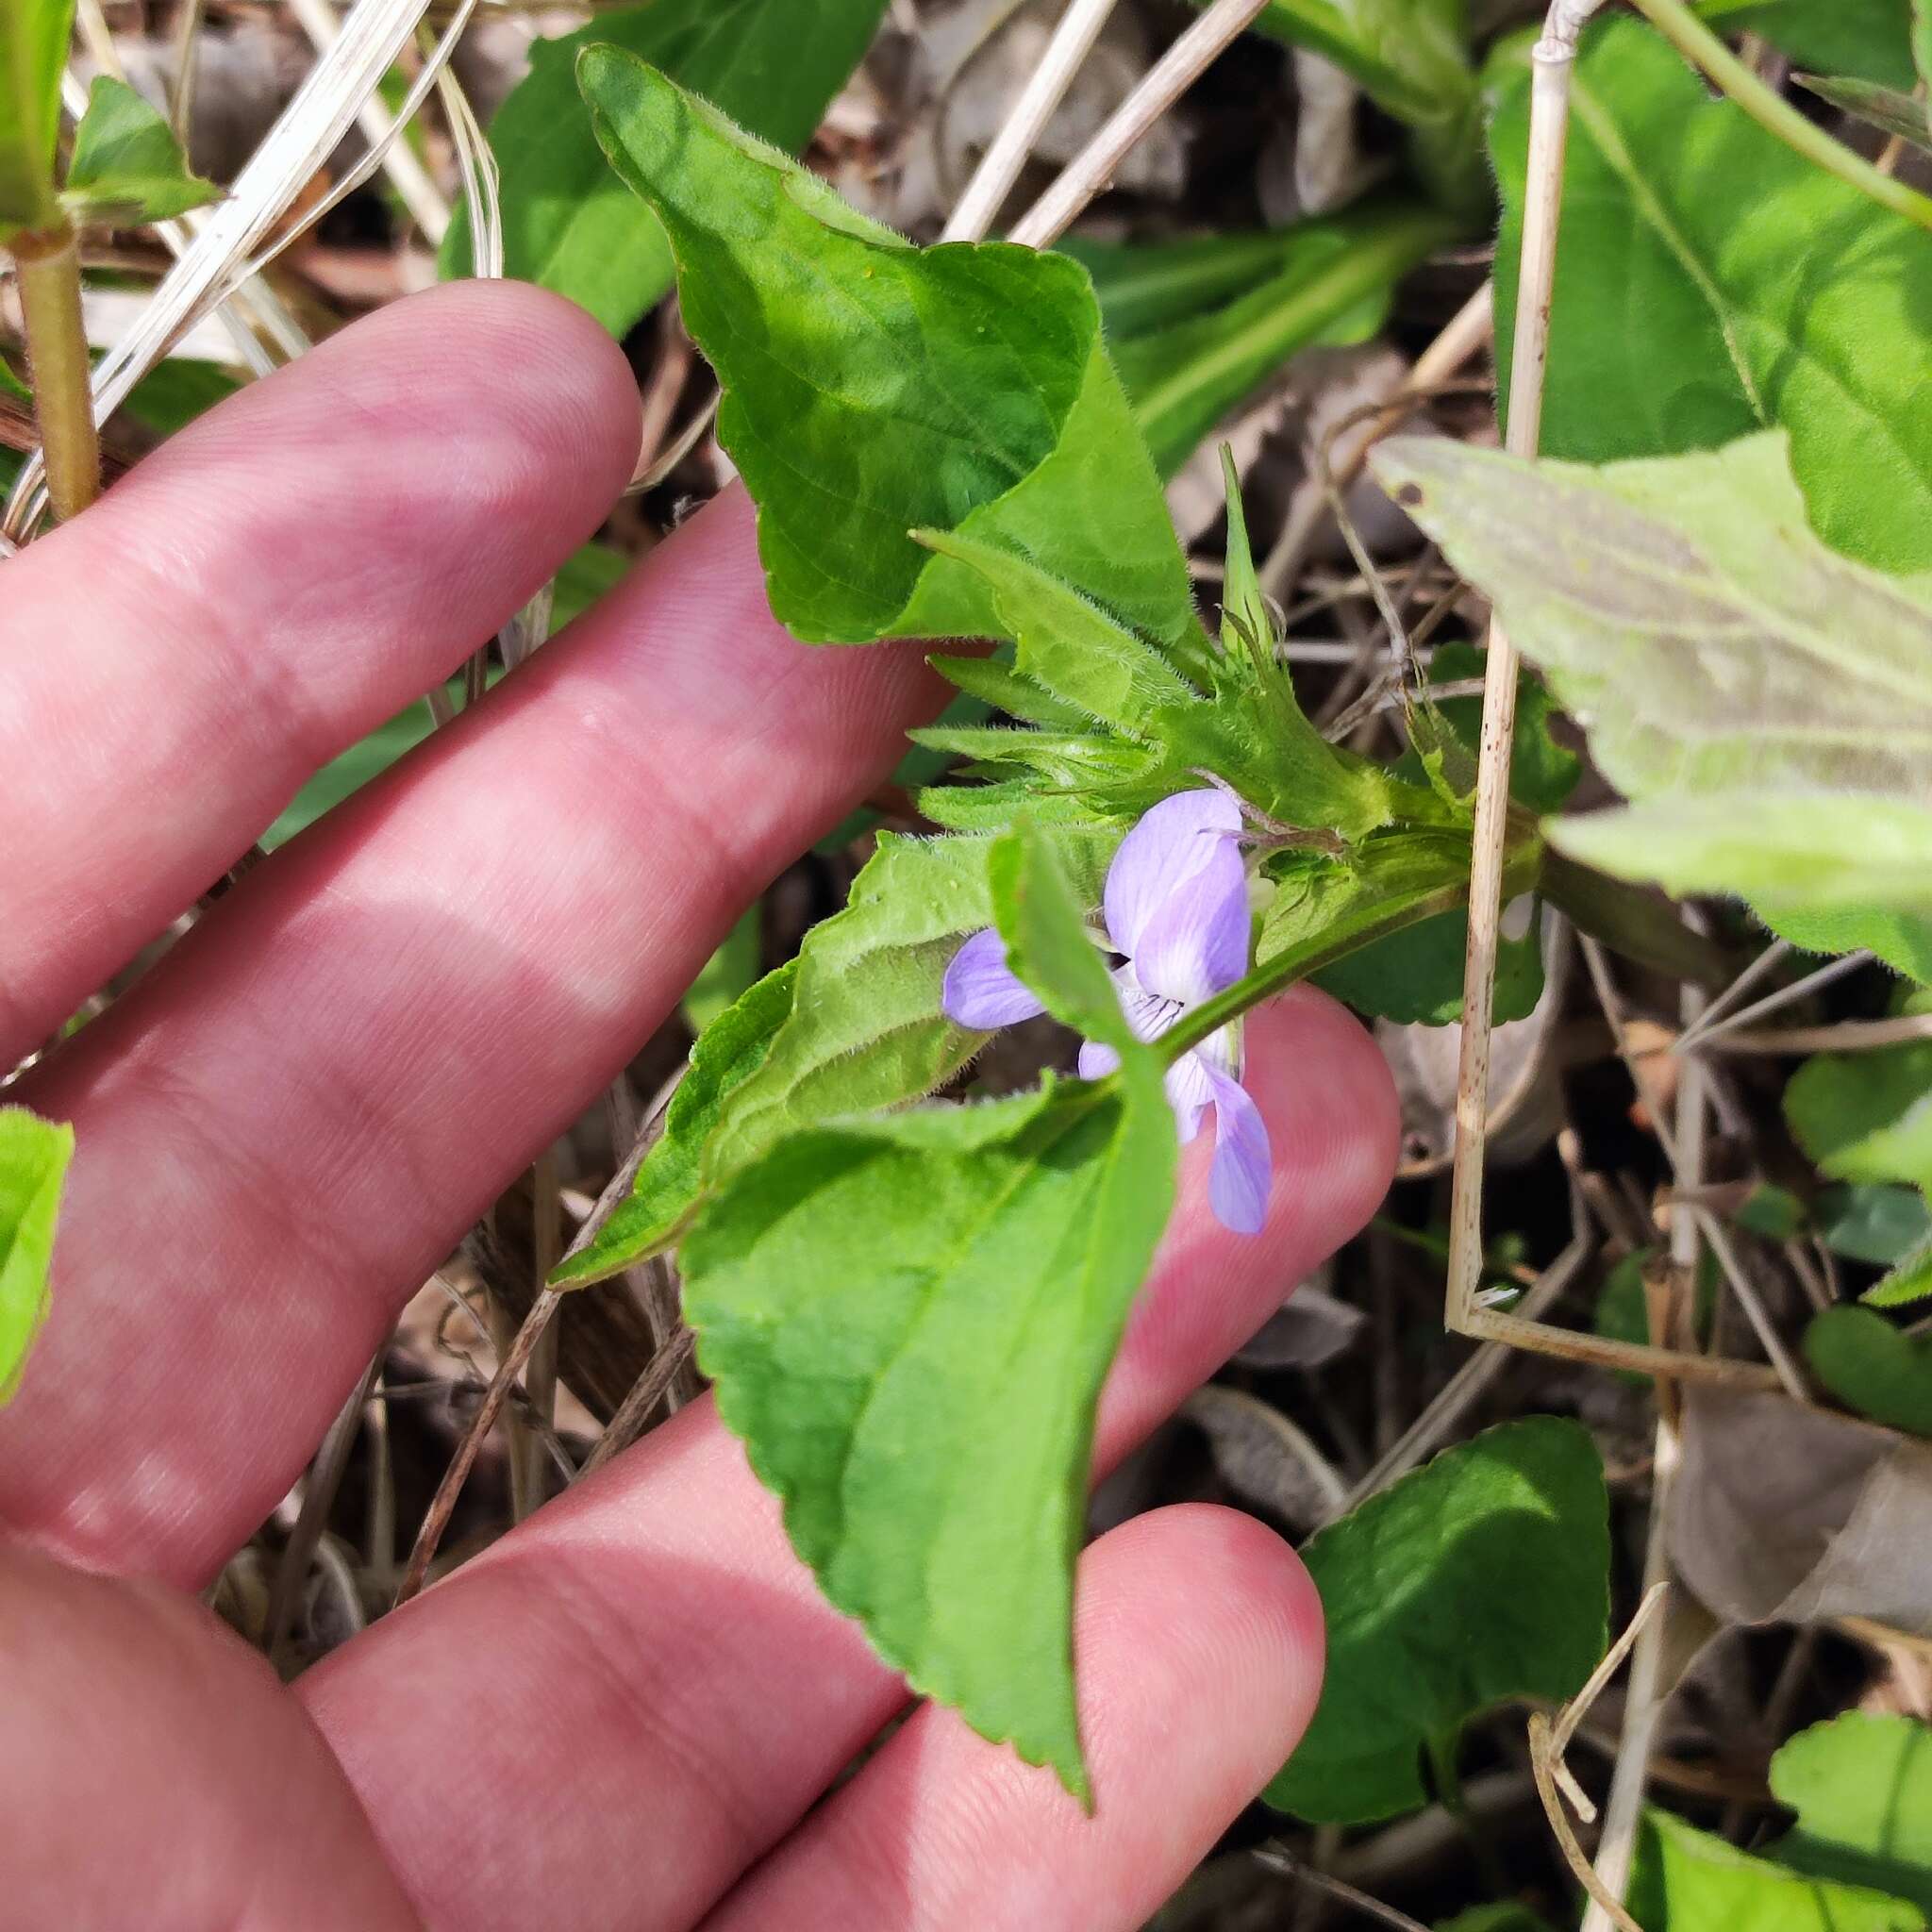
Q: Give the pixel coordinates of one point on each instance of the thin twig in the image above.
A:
(635, 1409)
(1746, 1292)
(442, 1504)
(1847, 1036)
(1277, 1857)
(1709, 1029)
(1461, 336)
(1170, 78)
(318, 1498)
(999, 167)
(1464, 1389)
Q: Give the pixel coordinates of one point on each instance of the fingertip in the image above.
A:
(1232, 1611)
(1333, 1115)
(1333, 1127)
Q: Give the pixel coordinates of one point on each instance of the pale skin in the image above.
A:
(628, 1712)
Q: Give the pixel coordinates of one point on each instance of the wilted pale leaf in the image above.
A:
(1765, 701)
(1793, 1514)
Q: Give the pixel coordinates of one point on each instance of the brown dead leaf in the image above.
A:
(1792, 1514)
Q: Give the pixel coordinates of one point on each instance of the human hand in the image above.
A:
(626, 1711)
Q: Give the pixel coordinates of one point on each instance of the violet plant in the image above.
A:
(1177, 904)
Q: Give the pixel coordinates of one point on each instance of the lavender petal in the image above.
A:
(1239, 1181)
(1196, 943)
(982, 991)
(1173, 841)
(1190, 1092)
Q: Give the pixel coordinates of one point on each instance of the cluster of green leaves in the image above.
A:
(939, 444)
(126, 168)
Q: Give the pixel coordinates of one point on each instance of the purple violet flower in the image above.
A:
(1177, 909)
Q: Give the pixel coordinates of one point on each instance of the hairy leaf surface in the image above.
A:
(33, 1154)
(773, 65)
(1711, 282)
(908, 1321)
(1766, 702)
(872, 388)
(1482, 1576)
(866, 1030)
(670, 1180)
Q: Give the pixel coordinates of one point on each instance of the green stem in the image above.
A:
(1770, 109)
(1393, 914)
(49, 265)
(1640, 924)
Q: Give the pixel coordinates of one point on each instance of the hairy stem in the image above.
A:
(1770, 109)
(1297, 962)
(49, 264)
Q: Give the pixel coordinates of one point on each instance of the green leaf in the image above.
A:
(1143, 286)
(127, 168)
(670, 1180)
(174, 393)
(773, 65)
(1395, 902)
(1482, 1576)
(1687, 1880)
(866, 1030)
(1873, 1367)
(1861, 1786)
(33, 54)
(1333, 286)
(1875, 1224)
(1505, 1917)
(1860, 37)
(1866, 1116)
(1910, 1281)
(1902, 940)
(1770, 294)
(587, 574)
(33, 1154)
(1042, 914)
(908, 1321)
(1414, 977)
(1887, 108)
(872, 388)
(1411, 59)
(1067, 645)
(11, 387)
(728, 974)
(1766, 702)
(1542, 774)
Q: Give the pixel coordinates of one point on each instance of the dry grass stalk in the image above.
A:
(1167, 80)
(999, 167)
(1552, 59)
